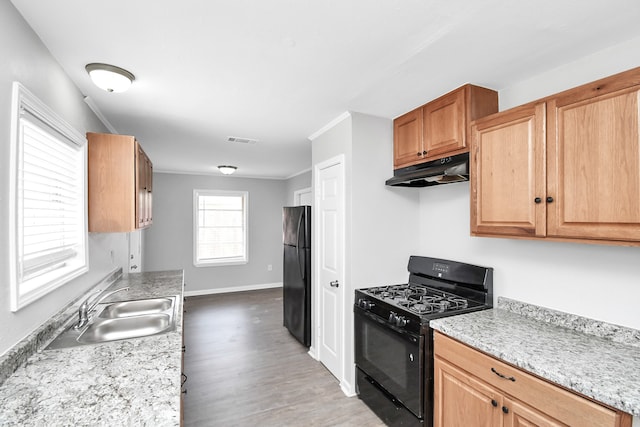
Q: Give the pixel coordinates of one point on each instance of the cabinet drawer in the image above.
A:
(551, 399)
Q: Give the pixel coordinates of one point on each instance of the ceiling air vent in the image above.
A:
(241, 140)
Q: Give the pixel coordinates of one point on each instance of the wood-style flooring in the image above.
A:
(245, 369)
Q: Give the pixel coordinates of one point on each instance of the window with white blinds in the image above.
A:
(48, 236)
(220, 227)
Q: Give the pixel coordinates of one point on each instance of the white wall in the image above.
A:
(384, 220)
(597, 65)
(596, 281)
(26, 59)
(169, 242)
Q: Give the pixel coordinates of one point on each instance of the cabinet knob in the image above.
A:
(419, 154)
(505, 409)
(424, 153)
(494, 403)
(549, 199)
(537, 200)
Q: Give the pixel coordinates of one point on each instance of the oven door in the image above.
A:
(393, 358)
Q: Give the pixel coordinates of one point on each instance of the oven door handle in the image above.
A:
(407, 335)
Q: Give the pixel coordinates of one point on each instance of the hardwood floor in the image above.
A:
(244, 368)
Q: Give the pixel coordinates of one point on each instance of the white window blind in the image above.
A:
(48, 206)
(220, 227)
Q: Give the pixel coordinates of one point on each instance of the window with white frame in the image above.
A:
(47, 215)
(220, 227)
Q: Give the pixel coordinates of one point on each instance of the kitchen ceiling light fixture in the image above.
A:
(227, 170)
(109, 77)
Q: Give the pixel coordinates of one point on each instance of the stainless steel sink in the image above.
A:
(121, 320)
(125, 327)
(136, 308)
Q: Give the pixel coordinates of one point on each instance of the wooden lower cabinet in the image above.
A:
(461, 400)
(520, 415)
(474, 389)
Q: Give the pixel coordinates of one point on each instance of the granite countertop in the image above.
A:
(130, 382)
(596, 359)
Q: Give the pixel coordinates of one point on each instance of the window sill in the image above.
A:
(219, 263)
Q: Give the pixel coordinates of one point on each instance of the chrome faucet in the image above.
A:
(85, 308)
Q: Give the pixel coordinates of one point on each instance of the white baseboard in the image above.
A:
(313, 353)
(348, 389)
(232, 289)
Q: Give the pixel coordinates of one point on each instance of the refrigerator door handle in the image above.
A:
(300, 266)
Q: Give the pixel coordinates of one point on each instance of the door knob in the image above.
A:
(334, 284)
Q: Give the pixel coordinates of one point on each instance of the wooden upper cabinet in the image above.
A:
(120, 183)
(564, 168)
(508, 173)
(407, 139)
(144, 176)
(441, 127)
(444, 124)
(594, 165)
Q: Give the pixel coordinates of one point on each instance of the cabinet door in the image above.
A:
(141, 183)
(149, 198)
(594, 165)
(444, 123)
(508, 173)
(517, 414)
(112, 182)
(462, 401)
(144, 179)
(407, 139)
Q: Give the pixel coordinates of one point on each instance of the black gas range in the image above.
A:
(393, 340)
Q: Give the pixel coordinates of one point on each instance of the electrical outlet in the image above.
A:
(269, 267)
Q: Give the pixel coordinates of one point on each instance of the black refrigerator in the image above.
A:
(296, 283)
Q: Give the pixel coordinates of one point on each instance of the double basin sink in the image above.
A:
(122, 320)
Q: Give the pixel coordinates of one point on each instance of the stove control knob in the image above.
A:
(392, 317)
(401, 321)
(365, 304)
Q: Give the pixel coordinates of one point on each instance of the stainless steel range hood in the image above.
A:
(436, 172)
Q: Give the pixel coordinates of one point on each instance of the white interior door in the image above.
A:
(303, 197)
(330, 249)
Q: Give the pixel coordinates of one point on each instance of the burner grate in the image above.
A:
(418, 299)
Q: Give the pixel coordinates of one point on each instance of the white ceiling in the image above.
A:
(280, 70)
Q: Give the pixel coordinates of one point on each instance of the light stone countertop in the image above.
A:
(135, 382)
(596, 359)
